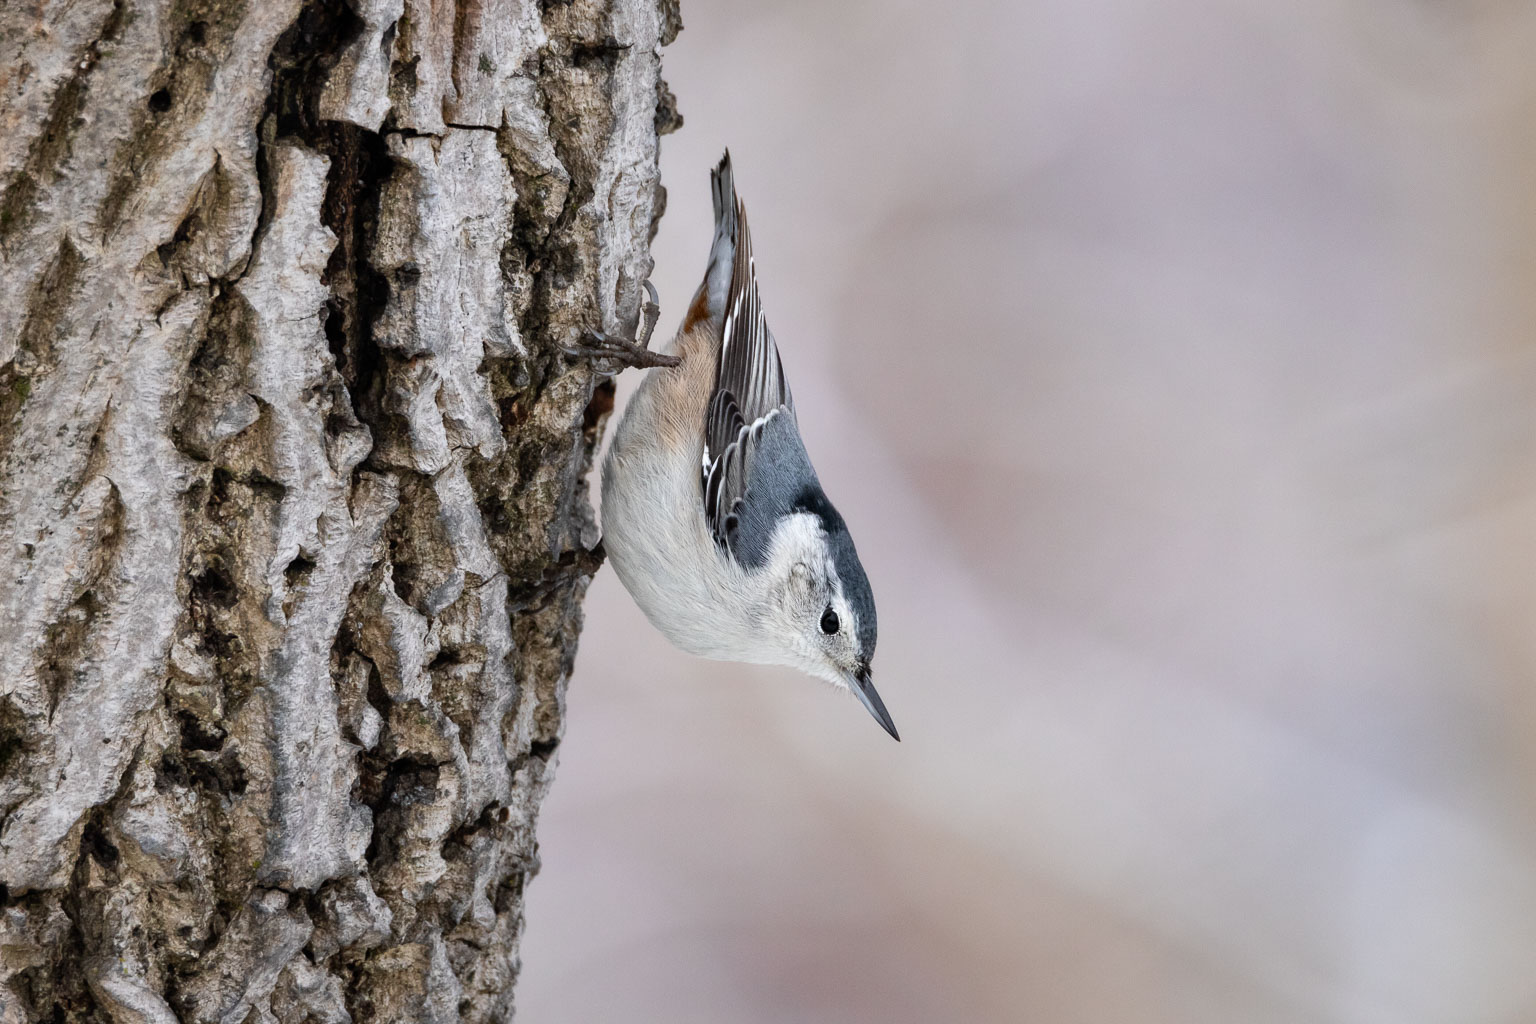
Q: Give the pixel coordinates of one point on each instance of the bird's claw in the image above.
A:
(618, 353)
(622, 352)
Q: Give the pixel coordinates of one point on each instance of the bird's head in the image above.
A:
(824, 618)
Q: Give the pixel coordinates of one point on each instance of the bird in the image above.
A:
(713, 517)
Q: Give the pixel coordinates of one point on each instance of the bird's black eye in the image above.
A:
(829, 621)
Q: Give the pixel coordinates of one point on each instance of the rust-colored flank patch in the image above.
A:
(697, 311)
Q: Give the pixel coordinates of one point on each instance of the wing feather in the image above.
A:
(750, 387)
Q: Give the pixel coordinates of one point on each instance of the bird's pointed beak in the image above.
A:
(865, 690)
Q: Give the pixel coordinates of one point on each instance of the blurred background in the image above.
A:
(1175, 365)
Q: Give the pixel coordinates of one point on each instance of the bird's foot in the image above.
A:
(614, 354)
(609, 355)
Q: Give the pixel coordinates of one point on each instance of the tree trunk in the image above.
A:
(294, 525)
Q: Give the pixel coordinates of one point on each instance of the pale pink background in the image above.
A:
(1175, 365)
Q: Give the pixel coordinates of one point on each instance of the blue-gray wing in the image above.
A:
(750, 410)
(780, 481)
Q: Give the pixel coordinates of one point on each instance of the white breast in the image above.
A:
(659, 544)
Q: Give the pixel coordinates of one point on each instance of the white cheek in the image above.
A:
(798, 561)
(799, 647)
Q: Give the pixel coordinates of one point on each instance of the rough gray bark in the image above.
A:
(293, 517)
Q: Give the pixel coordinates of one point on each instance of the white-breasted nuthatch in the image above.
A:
(712, 514)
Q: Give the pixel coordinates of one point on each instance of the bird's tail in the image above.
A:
(711, 297)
